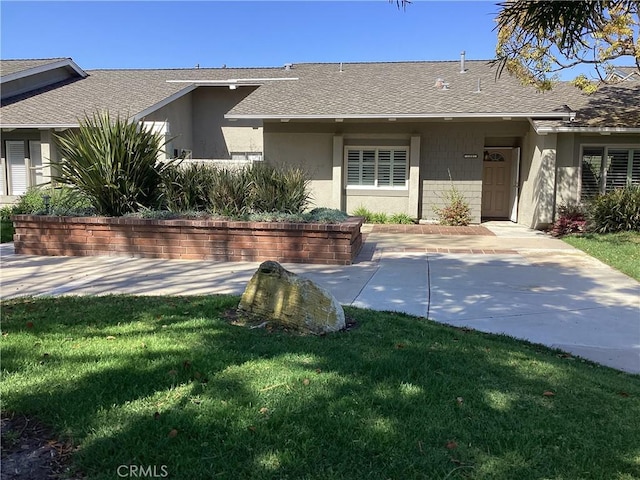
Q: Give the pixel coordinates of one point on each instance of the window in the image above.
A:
(247, 156)
(607, 168)
(22, 167)
(377, 167)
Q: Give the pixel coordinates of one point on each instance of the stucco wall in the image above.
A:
(537, 177)
(312, 152)
(215, 137)
(567, 170)
(442, 148)
(179, 114)
(311, 147)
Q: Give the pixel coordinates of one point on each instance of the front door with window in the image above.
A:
(496, 184)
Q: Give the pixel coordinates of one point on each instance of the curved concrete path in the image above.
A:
(504, 279)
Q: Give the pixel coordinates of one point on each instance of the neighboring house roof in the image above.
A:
(612, 108)
(350, 90)
(627, 74)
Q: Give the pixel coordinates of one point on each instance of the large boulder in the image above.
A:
(278, 296)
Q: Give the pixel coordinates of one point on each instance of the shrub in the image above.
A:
(235, 192)
(326, 215)
(456, 211)
(277, 189)
(615, 211)
(379, 217)
(229, 194)
(187, 187)
(7, 211)
(401, 218)
(571, 219)
(62, 201)
(114, 163)
(363, 212)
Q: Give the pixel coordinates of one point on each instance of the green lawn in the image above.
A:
(6, 231)
(620, 250)
(166, 381)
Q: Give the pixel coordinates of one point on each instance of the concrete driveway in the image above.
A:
(506, 279)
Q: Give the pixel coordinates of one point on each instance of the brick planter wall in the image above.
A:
(336, 244)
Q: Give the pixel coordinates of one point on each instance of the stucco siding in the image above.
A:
(216, 137)
(439, 164)
(374, 202)
(180, 117)
(567, 171)
(538, 176)
(312, 152)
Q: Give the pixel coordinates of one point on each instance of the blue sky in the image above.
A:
(164, 34)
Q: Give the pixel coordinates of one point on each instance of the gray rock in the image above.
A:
(278, 296)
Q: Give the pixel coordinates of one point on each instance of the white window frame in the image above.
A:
(602, 187)
(376, 186)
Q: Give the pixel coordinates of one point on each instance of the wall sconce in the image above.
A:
(486, 157)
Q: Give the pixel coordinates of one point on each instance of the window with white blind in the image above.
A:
(607, 168)
(377, 167)
(22, 167)
(17, 167)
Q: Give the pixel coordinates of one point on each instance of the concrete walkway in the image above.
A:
(504, 279)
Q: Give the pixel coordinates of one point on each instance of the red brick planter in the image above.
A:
(336, 244)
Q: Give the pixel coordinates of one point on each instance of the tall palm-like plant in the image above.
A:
(113, 162)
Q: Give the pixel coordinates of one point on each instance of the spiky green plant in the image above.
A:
(187, 187)
(278, 189)
(229, 193)
(363, 212)
(113, 162)
(615, 211)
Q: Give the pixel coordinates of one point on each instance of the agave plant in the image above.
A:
(113, 162)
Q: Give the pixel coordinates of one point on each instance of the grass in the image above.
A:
(620, 250)
(6, 231)
(166, 381)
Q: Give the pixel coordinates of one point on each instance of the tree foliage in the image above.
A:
(538, 39)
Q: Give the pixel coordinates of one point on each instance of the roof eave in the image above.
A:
(38, 126)
(577, 129)
(67, 62)
(162, 103)
(366, 116)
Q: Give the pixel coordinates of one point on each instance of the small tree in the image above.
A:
(113, 162)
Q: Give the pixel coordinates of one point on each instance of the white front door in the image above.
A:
(496, 184)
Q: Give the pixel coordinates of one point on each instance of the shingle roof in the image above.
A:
(612, 107)
(360, 89)
(8, 67)
(393, 89)
(125, 92)
(627, 73)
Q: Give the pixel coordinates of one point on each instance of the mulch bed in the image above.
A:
(30, 451)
